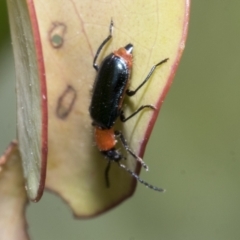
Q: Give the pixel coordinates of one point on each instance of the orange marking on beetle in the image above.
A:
(128, 57)
(105, 138)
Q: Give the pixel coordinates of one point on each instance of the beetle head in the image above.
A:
(129, 48)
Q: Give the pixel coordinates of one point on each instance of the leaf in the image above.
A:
(68, 38)
(31, 95)
(13, 198)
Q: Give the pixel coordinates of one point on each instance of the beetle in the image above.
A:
(109, 89)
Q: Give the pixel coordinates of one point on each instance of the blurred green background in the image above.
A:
(194, 145)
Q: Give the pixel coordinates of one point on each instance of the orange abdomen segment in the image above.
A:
(104, 138)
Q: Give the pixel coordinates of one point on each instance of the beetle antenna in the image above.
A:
(102, 45)
(140, 180)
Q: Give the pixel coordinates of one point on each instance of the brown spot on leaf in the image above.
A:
(56, 34)
(66, 102)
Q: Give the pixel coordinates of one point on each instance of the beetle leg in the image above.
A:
(102, 45)
(140, 180)
(124, 143)
(131, 93)
(107, 173)
(124, 119)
